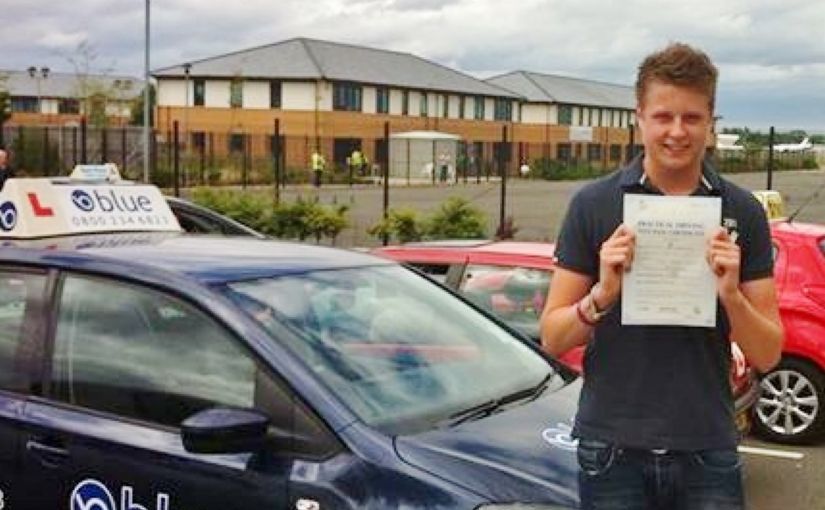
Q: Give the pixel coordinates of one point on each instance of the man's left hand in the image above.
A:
(724, 258)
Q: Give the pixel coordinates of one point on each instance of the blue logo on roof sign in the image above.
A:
(110, 201)
(82, 200)
(8, 216)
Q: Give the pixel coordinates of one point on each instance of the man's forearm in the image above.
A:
(759, 335)
(562, 330)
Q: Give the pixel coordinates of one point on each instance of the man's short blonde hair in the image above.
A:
(682, 65)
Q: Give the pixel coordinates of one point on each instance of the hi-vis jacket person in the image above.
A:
(318, 164)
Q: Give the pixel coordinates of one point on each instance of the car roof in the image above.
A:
(812, 230)
(529, 254)
(209, 259)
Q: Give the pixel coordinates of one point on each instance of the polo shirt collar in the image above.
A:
(634, 177)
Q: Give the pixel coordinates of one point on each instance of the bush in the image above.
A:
(456, 219)
(400, 224)
(555, 170)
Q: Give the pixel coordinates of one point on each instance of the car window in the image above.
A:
(201, 223)
(437, 272)
(397, 348)
(143, 354)
(21, 296)
(514, 294)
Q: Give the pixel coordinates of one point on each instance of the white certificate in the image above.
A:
(670, 282)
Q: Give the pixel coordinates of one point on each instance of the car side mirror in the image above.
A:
(225, 430)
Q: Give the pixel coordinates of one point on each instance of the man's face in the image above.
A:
(675, 122)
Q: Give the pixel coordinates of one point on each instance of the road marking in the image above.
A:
(782, 454)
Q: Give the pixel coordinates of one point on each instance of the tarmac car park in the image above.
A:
(141, 367)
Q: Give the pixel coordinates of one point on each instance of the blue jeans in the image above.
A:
(613, 478)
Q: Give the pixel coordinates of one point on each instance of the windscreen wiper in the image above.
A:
(489, 407)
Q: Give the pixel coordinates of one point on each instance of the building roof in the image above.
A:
(64, 85)
(548, 88)
(312, 59)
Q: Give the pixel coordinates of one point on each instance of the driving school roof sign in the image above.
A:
(31, 208)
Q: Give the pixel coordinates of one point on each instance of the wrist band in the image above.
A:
(582, 315)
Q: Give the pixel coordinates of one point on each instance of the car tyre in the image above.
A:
(791, 404)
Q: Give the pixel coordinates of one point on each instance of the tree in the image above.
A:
(92, 92)
(137, 108)
(457, 218)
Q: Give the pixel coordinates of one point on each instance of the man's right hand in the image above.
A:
(615, 257)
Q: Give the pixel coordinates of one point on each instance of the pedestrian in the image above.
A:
(524, 169)
(318, 164)
(6, 170)
(655, 419)
(443, 167)
(356, 161)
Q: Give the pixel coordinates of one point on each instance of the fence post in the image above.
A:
(46, 169)
(74, 146)
(123, 149)
(276, 160)
(770, 157)
(83, 140)
(104, 144)
(175, 159)
(503, 173)
(385, 169)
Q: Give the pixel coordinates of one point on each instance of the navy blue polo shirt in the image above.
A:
(658, 386)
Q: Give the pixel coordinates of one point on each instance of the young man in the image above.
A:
(655, 420)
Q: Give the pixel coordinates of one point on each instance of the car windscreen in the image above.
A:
(401, 351)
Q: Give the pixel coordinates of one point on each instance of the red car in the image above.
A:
(510, 279)
(791, 406)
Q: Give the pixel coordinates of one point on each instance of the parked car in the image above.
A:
(510, 280)
(791, 407)
(197, 219)
(142, 367)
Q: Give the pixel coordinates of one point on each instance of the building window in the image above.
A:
(579, 113)
(594, 152)
(346, 97)
(423, 106)
(565, 115)
(274, 94)
(237, 142)
(24, 104)
(446, 112)
(199, 86)
(563, 151)
(503, 109)
(461, 101)
(236, 94)
(382, 100)
(405, 102)
(70, 106)
(590, 116)
(478, 113)
(615, 152)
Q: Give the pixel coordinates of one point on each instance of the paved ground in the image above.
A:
(536, 206)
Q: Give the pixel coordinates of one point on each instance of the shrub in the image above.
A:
(456, 219)
(400, 224)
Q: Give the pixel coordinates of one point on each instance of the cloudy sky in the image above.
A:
(771, 54)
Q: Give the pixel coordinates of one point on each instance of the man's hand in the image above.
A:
(615, 257)
(724, 258)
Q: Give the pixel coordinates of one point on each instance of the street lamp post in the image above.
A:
(186, 68)
(146, 85)
(38, 75)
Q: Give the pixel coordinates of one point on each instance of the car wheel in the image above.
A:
(791, 405)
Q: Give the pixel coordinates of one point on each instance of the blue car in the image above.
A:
(165, 371)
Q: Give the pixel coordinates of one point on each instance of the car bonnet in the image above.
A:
(523, 454)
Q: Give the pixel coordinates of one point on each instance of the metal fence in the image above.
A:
(179, 159)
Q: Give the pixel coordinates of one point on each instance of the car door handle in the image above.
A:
(50, 455)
